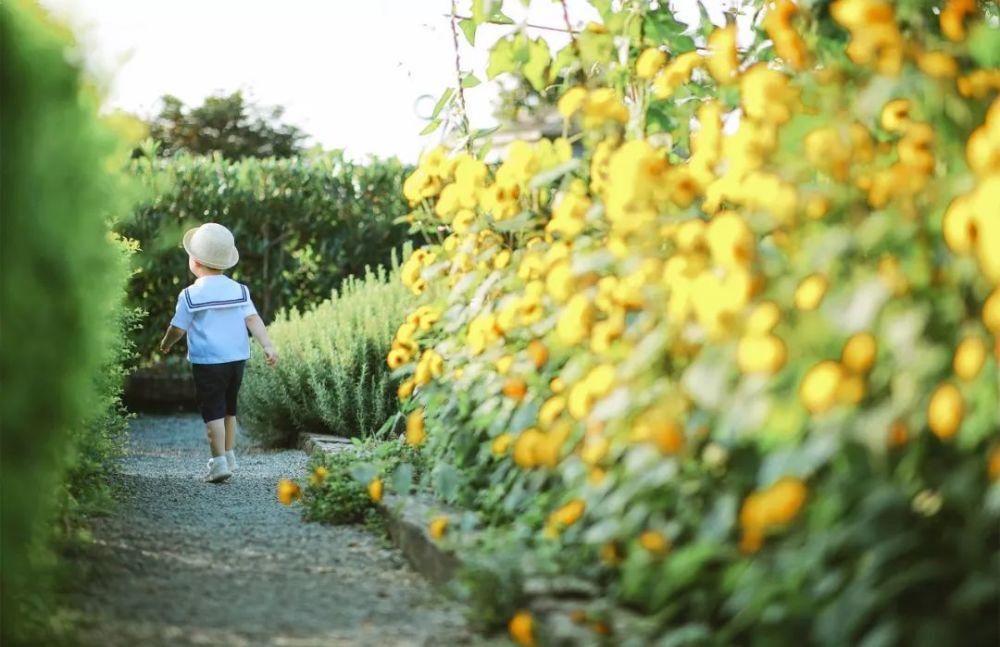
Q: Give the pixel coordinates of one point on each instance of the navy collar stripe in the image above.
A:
(192, 304)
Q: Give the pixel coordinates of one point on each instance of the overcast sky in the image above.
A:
(349, 72)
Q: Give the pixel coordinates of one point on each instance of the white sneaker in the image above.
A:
(218, 471)
(231, 460)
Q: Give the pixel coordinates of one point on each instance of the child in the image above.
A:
(215, 312)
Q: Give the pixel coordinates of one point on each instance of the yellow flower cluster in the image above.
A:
(634, 303)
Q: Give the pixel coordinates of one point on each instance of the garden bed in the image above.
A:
(160, 389)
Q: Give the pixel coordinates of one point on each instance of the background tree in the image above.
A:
(228, 124)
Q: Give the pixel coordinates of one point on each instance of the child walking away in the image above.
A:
(215, 312)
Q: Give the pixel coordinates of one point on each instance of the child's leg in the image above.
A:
(230, 432)
(216, 432)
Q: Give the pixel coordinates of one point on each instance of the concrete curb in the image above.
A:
(311, 443)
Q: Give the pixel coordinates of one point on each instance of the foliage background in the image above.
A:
(64, 327)
(302, 225)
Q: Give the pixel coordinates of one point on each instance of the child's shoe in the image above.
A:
(218, 470)
(230, 461)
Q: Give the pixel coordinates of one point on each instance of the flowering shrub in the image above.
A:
(332, 377)
(738, 361)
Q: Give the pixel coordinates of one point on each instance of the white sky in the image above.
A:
(348, 72)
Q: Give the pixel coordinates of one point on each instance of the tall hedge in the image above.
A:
(62, 279)
(302, 225)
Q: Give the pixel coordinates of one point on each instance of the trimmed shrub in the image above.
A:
(738, 364)
(302, 225)
(63, 280)
(332, 377)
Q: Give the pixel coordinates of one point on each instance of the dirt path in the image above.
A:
(184, 562)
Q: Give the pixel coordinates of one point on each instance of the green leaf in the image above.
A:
(984, 45)
(538, 64)
(444, 479)
(502, 58)
(468, 27)
(402, 479)
(431, 127)
(481, 10)
(565, 58)
(521, 222)
(442, 102)
(553, 174)
(469, 80)
(363, 472)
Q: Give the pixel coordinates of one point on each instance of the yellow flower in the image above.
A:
(568, 514)
(574, 322)
(375, 490)
(969, 358)
(501, 444)
(602, 105)
(557, 385)
(730, 240)
(594, 449)
(859, 353)
(405, 389)
(810, 292)
(818, 390)
(761, 354)
(526, 448)
(772, 507)
(787, 43)
(938, 65)
(551, 410)
(953, 18)
(764, 318)
(650, 62)
(851, 390)
(437, 527)
(521, 628)
(397, 357)
(504, 363)
(817, 206)
(610, 554)
(415, 433)
(571, 101)
(318, 476)
(654, 542)
(288, 492)
(896, 115)
(767, 95)
(515, 388)
(722, 60)
(675, 74)
(538, 352)
(945, 411)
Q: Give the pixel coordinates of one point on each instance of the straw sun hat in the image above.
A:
(212, 245)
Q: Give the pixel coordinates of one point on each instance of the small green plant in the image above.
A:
(339, 487)
(332, 377)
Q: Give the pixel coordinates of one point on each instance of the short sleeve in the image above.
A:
(249, 309)
(182, 315)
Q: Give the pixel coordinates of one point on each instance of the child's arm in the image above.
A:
(171, 337)
(256, 327)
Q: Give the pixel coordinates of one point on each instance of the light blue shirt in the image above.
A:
(213, 311)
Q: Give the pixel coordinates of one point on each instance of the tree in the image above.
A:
(228, 124)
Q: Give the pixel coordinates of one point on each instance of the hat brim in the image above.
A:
(234, 255)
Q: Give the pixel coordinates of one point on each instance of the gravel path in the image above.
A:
(184, 562)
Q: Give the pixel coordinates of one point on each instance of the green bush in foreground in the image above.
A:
(62, 281)
(302, 225)
(332, 377)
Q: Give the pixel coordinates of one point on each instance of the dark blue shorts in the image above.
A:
(217, 386)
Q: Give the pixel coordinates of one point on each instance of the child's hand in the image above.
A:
(164, 348)
(272, 355)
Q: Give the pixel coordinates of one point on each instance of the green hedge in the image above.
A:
(63, 277)
(332, 377)
(302, 225)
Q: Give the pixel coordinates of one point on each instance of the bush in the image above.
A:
(332, 377)
(62, 283)
(749, 372)
(302, 225)
(337, 489)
